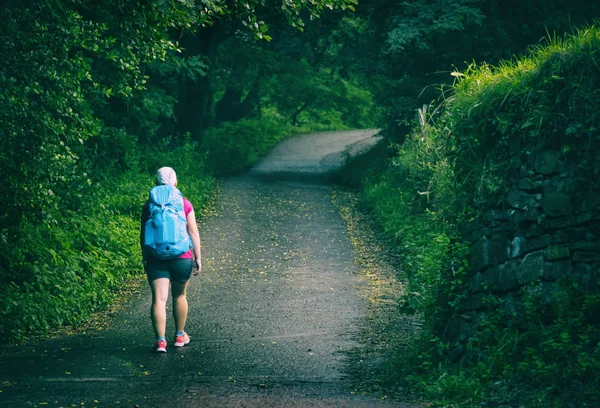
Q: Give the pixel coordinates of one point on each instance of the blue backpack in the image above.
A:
(165, 232)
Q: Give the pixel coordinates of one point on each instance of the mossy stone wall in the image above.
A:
(546, 228)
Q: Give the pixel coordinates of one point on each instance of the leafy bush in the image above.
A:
(414, 199)
(54, 277)
(545, 98)
(451, 164)
(232, 147)
(57, 277)
(552, 364)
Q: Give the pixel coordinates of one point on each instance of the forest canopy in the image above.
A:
(95, 96)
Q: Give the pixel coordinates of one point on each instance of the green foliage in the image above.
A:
(452, 162)
(415, 201)
(63, 62)
(537, 364)
(91, 98)
(418, 42)
(234, 146)
(496, 110)
(55, 277)
(308, 94)
(263, 80)
(248, 13)
(421, 22)
(414, 44)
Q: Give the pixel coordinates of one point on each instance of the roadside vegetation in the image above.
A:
(421, 196)
(95, 97)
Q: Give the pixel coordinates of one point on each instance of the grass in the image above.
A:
(451, 167)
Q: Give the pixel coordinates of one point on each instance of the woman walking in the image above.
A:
(169, 264)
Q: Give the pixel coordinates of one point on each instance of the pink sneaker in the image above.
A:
(180, 341)
(161, 346)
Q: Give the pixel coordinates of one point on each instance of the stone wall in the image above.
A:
(547, 227)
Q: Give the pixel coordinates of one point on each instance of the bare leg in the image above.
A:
(158, 311)
(180, 304)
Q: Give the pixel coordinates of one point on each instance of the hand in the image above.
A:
(196, 267)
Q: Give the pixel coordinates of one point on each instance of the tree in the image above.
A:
(416, 45)
(72, 71)
(196, 108)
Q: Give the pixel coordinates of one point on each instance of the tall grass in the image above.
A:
(454, 162)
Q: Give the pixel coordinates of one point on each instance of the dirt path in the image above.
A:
(272, 317)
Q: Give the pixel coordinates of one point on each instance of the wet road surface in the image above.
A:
(271, 318)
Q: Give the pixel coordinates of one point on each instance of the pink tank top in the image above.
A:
(187, 208)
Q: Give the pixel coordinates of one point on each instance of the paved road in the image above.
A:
(272, 316)
(314, 156)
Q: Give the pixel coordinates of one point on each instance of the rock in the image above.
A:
(476, 284)
(558, 251)
(468, 325)
(479, 257)
(528, 216)
(512, 306)
(490, 279)
(588, 257)
(557, 270)
(568, 235)
(499, 249)
(587, 246)
(536, 243)
(528, 184)
(478, 233)
(474, 302)
(544, 292)
(492, 216)
(456, 353)
(583, 218)
(531, 268)
(547, 162)
(546, 229)
(523, 201)
(533, 230)
(516, 246)
(557, 223)
(586, 274)
(506, 278)
(452, 329)
(556, 204)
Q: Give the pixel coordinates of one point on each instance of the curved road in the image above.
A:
(271, 317)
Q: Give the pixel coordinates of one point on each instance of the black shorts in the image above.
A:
(178, 270)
